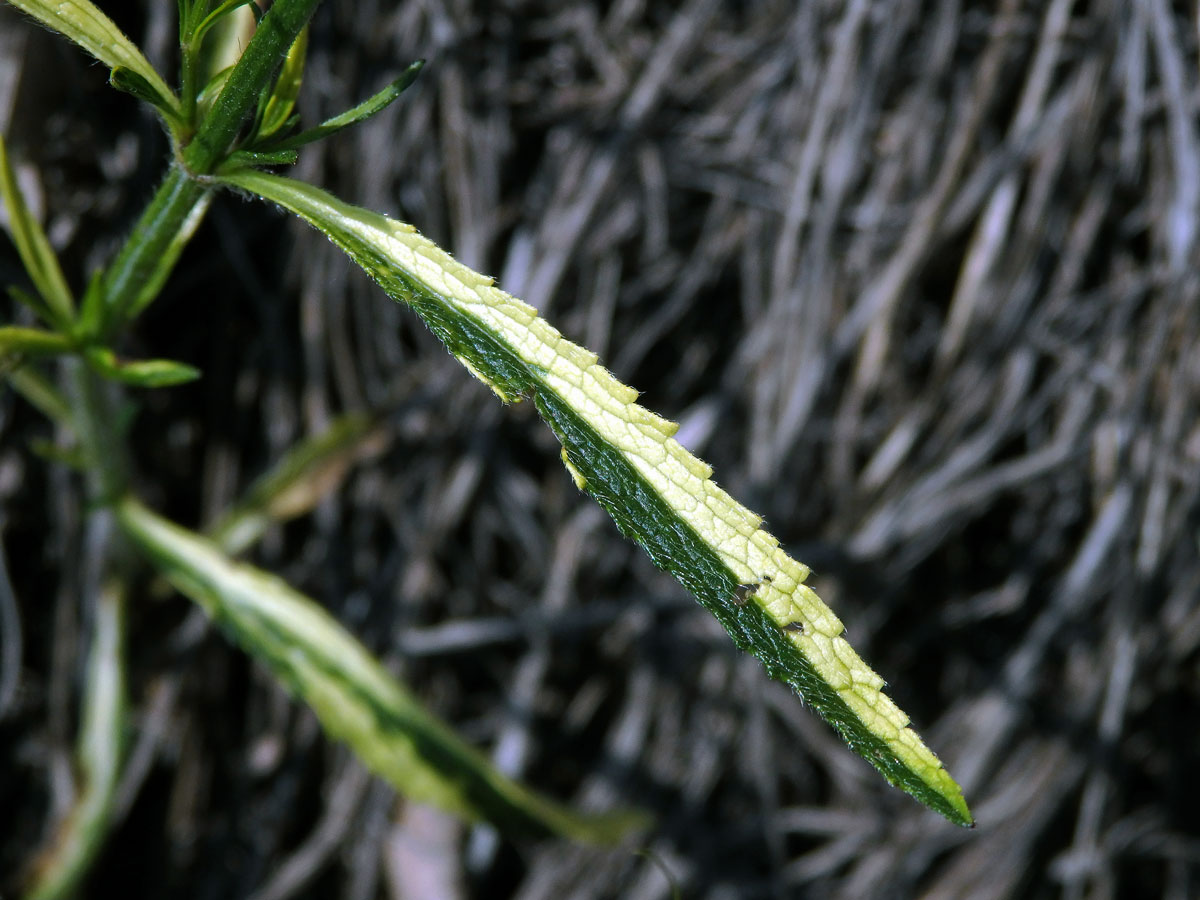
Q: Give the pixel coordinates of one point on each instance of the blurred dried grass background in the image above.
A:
(918, 279)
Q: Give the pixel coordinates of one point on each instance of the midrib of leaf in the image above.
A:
(657, 493)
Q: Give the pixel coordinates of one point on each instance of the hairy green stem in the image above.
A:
(96, 424)
(188, 88)
(147, 251)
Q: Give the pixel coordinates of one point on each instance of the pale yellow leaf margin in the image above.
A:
(504, 342)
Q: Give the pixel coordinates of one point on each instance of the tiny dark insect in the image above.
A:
(797, 627)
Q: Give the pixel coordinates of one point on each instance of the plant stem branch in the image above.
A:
(145, 260)
(141, 260)
(96, 425)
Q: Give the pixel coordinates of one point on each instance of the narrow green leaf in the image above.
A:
(32, 342)
(286, 89)
(355, 698)
(40, 393)
(70, 456)
(130, 82)
(91, 309)
(359, 113)
(34, 247)
(307, 472)
(39, 307)
(84, 23)
(657, 493)
(147, 373)
(213, 88)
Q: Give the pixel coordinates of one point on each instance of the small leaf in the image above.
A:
(286, 89)
(359, 113)
(34, 247)
(40, 393)
(82, 22)
(657, 493)
(130, 82)
(36, 304)
(242, 25)
(32, 342)
(148, 373)
(309, 471)
(91, 309)
(212, 89)
(72, 457)
(355, 698)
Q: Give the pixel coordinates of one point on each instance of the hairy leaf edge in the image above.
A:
(505, 343)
